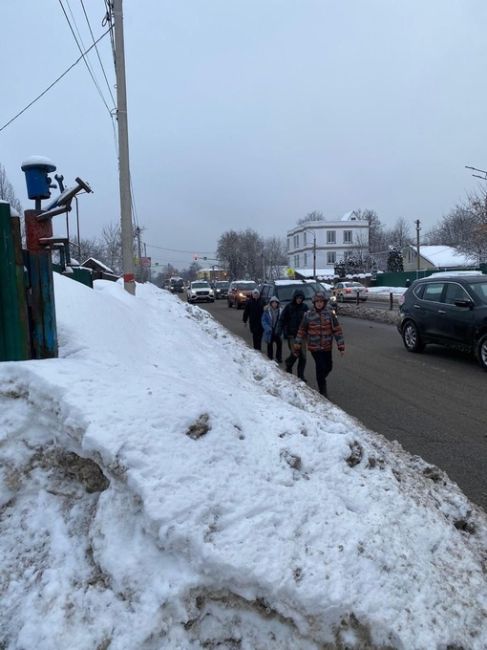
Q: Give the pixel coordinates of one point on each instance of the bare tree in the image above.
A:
(7, 192)
(400, 235)
(275, 256)
(86, 248)
(111, 237)
(464, 228)
(315, 215)
(228, 251)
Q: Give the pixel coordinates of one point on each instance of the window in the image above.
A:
(288, 244)
(305, 260)
(296, 241)
(455, 292)
(305, 238)
(331, 257)
(296, 261)
(347, 236)
(432, 292)
(331, 237)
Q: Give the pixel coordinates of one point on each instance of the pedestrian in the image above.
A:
(318, 328)
(291, 318)
(254, 308)
(272, 334)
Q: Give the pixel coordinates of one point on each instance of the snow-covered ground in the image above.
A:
(165, 486)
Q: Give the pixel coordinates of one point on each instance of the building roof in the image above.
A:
(444, 256)
(93, 263)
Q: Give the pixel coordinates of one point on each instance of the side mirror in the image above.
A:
(464, 303)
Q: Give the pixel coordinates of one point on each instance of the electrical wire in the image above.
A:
(54, 82)
(98, 54)
(175, 250)
(84, 58)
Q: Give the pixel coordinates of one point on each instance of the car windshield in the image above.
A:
(246, 286)
(480, 290)
(221, 285)
(200, 285)
(286, 291)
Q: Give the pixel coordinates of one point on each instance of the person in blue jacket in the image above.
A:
(271, 325)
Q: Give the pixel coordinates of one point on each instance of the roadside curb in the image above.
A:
(368, 313)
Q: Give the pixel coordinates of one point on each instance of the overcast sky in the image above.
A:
(249, 114)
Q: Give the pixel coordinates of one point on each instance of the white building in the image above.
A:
(320, 244)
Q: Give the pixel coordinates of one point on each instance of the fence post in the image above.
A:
(14, 328)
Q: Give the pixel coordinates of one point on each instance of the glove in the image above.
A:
(297, 349)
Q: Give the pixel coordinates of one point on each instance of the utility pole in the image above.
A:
(314, 256)
(418, 265)
(123, 153)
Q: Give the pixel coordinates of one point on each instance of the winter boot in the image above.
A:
(301, 367)
(322, 389)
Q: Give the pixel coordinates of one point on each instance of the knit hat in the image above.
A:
(274, 299)
(319, 295)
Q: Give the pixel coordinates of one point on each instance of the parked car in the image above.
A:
(448, 310)
(239, 291)
(284, 289)
(200, 291)
(347, 291)
(221, 289)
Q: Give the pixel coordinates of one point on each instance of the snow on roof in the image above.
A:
(444, 256)
(351, 216)
(98, 263)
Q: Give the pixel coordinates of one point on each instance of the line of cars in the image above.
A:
(445, 309)
(204, 291)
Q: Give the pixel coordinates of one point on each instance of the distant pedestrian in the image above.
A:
(254, 308)
(291, 318)
(318, 328)
(272, 334)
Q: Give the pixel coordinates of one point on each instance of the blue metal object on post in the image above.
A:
(36, 169)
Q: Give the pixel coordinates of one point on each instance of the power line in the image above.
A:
(54, 82)
(98, 54)
(175, 250)
(84, 58)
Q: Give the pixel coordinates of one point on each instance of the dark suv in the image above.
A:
(448, 310)
(284, 289)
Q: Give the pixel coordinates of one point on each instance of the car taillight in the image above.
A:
(348, 291)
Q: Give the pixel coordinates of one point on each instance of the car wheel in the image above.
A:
(411, 338)
(482, 351)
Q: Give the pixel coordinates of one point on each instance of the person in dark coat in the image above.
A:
(254, 308)
(272, 334)
(318, 328)
(291, 318)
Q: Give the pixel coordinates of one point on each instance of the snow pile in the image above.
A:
(164, 486)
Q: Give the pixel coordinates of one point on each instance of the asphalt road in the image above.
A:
(432, 403)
